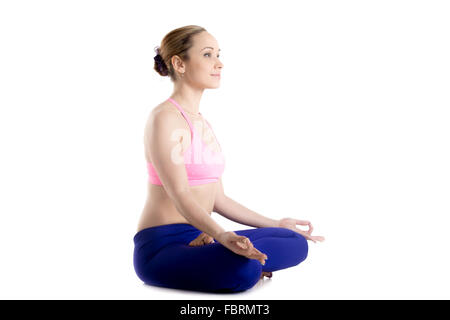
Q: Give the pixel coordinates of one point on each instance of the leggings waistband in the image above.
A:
(166, 233)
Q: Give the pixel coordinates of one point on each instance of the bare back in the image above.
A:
(159, 208)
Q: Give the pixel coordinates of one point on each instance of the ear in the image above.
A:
(178, 64)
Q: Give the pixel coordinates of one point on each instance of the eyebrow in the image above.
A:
(208, 48)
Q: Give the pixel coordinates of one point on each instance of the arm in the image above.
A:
(165, 153)
(196, 215)
(235, 211)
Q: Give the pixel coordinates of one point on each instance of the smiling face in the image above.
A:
(204, 62)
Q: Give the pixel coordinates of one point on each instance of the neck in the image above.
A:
(188, 98)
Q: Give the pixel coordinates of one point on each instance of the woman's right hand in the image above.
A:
(240, 245)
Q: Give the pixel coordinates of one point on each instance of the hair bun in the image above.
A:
(160, 64)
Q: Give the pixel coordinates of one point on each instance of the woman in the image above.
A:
(174, 243)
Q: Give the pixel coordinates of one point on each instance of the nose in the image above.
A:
(219, 64)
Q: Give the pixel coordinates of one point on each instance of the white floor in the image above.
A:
(329, 272)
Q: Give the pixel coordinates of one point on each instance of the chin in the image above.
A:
(213, 86)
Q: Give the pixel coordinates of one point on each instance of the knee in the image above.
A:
(300, 244)
(247, 275)
(301, 247)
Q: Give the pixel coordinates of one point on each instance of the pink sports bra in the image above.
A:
(203, 165)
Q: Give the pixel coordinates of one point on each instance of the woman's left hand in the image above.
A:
(291, 224)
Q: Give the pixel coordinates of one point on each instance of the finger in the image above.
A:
(244, 243)
(246, 240)
(261, 258)
(305, 223)
(310, 229)
(308, 237)
(241, 245)
(317, 238)
(249, 243)
(257, 257)
(256, 254)
(264, 256)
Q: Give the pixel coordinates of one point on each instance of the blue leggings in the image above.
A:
(162, 257)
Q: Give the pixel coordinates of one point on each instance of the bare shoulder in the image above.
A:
(164, 109)
(165, 117)
(164, 112)
(162, 121)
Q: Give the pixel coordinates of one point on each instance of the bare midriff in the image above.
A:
(159, 209)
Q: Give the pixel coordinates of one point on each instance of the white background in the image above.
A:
(331, 111)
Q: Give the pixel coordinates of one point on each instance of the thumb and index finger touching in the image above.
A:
(305, 223)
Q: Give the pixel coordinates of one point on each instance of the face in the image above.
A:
(204, 62)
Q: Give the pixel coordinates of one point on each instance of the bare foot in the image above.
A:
(267, 274)
(201, 240)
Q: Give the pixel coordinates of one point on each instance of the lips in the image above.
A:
(216, 75)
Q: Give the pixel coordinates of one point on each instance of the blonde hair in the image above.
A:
(176, 42)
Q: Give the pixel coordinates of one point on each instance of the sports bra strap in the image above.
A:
(184, 115)
(189, 121)
(213, 133)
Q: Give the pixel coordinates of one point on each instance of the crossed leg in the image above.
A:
(214, 268)
(284, 248)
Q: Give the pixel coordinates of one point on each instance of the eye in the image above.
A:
(210, 54)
